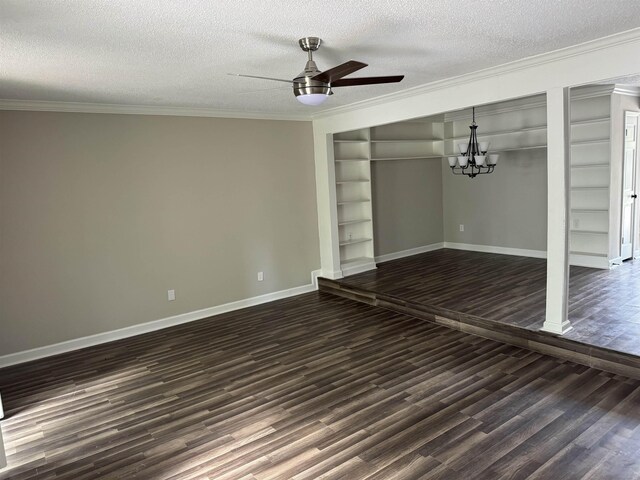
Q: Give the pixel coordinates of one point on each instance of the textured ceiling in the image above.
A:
(177, 53)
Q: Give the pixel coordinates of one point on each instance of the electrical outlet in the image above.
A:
(576, 223)
(260, 276)
(461, 227)
(171, 295)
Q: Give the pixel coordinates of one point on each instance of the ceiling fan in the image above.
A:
(312, 87)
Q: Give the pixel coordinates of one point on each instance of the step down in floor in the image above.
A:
(542, 342)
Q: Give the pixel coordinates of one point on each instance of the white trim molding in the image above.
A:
(407, 253)
(79, 107)
(139, 329)
(614, 262)
(314, 278)
(617, 39)
(520, 252)
(525, 63)
(590, 261)
(360, 268)
(574, 259)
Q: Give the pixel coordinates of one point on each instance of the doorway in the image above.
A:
(629, 247)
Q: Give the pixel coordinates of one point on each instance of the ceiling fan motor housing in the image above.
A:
(304, 84)
(310, 87)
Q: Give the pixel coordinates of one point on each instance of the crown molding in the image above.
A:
(591, 91)
(78, 107)
(627, 90)
(540, 59)
(522, 64)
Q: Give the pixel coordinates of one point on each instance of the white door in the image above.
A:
(629, 195)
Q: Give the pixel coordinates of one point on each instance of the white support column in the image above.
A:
(558, 171)
(326, 203)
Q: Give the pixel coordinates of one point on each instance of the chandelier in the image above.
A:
(473, 159)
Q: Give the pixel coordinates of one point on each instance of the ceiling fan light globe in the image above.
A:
(312, 99)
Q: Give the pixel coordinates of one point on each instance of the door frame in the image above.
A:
(635, 225)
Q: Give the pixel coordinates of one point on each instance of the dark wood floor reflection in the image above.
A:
(604, 305)
(317, 387)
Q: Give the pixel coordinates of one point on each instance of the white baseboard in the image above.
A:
(614, 262)
(407, 253)
(365, 267)
(314, 278)
(521, 252)
(331, 274)
(83, 342)
(574, 259)
(589, 261)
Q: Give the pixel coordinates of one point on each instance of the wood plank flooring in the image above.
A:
(604, 305)
(316, 387)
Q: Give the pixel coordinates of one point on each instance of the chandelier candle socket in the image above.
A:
(473, 159)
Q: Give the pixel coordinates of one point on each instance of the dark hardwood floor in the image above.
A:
(604, 305)
(317, 387)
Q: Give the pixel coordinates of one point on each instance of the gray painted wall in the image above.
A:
(506, 209)
(101, 214)
(407, 204)
(420, 202)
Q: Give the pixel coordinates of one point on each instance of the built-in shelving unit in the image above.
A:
(509, 127)
(352, 153)
(516, 126)
(408, 140)
(590, 177)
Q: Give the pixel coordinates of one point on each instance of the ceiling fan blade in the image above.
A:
(336, 73)
(352, 82)
(261, 78)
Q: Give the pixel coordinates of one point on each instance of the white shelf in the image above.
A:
(350, 141)
(347, 202)
(591, 142)
(353, 222)
(422, 157)
(501, 132)
(588, 232)
(591, 188)
(591, 165)
(517, 149)
(352, 159)
(590, 210)
(591, 121)
(502, 150)
(353, 241)
(357, 180)
(408, 140)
